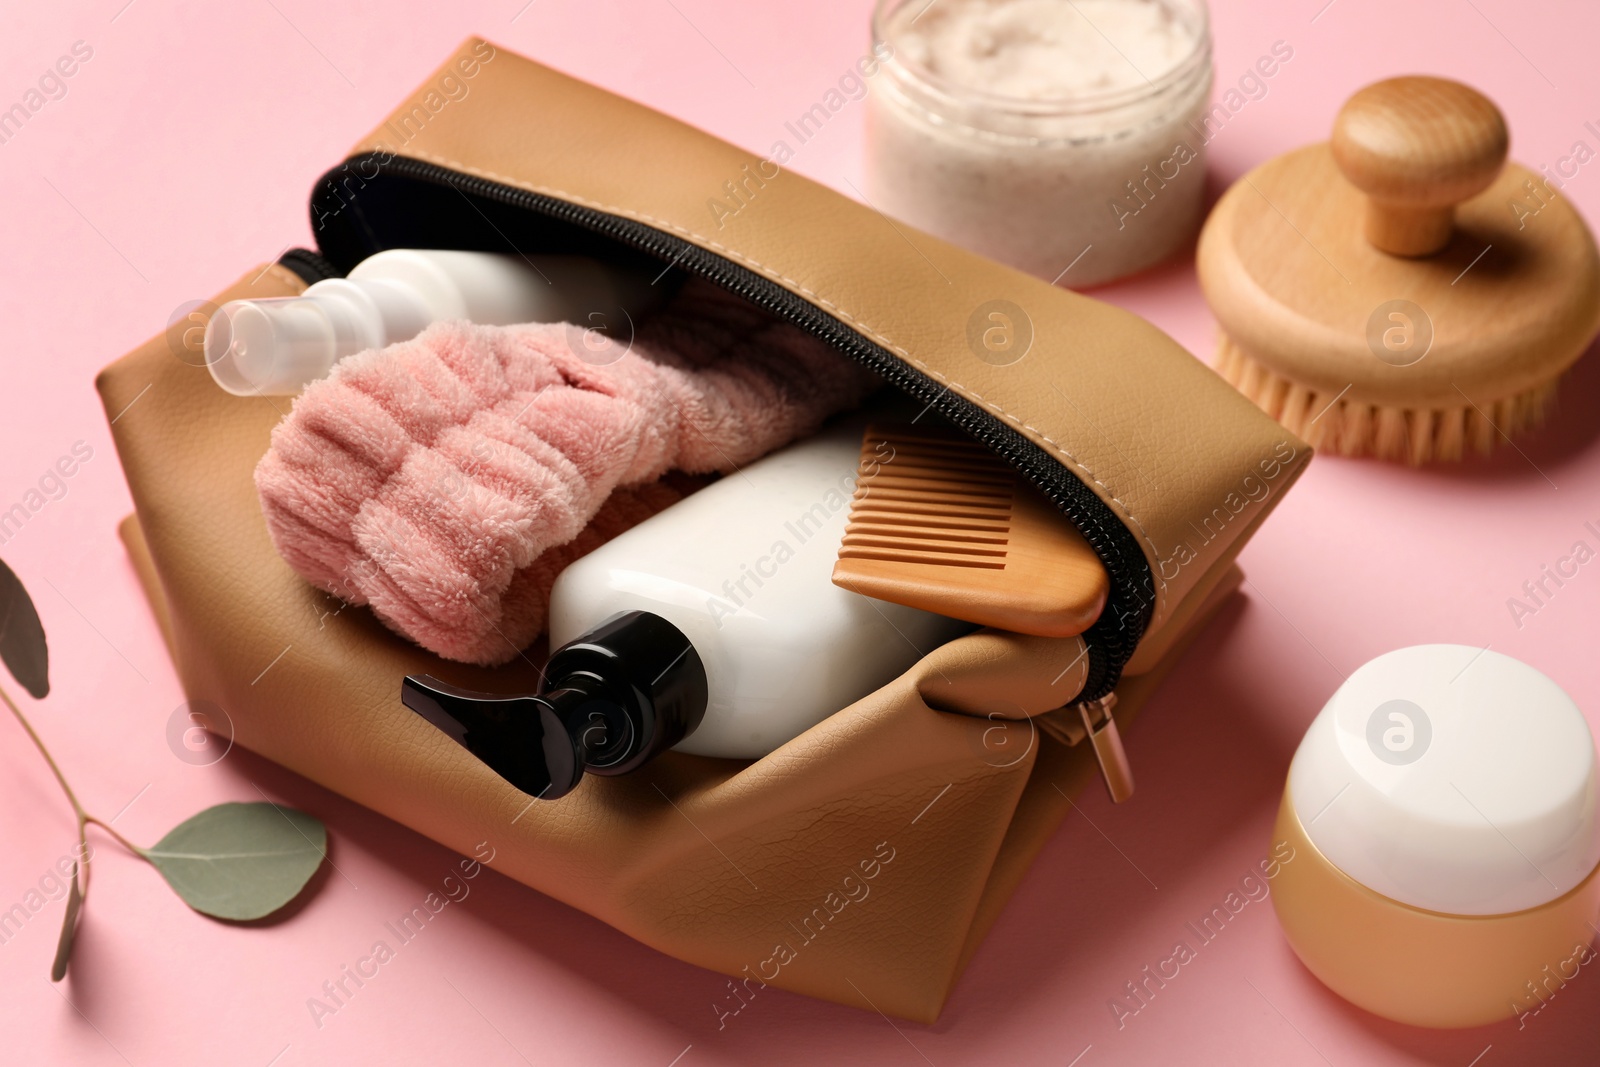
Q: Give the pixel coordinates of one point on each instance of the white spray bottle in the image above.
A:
(275, 347)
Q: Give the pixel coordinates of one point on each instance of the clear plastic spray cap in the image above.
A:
(270, 347)
(277, 346)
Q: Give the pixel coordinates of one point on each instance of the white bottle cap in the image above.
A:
(1453, 779)
(275, 347)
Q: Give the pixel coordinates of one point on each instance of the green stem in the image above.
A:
(79, 815)
(123, 841)
(45, 752)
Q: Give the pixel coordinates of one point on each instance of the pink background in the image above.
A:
(183, 152)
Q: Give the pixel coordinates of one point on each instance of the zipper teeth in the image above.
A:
(1128, 607)
(309, 265)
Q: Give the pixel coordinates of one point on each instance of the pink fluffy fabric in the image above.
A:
(445, 481)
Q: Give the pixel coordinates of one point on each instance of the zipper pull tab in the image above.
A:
(1101, 730)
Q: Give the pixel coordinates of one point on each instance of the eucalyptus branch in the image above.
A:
(212, 860)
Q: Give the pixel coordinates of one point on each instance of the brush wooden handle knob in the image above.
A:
(1417, 147)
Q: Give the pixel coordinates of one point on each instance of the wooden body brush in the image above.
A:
(1401, 291)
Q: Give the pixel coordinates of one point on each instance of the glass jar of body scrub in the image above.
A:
(1063, 137)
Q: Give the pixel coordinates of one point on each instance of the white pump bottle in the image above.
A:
(743, 568)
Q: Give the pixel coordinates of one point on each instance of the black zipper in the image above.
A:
(312, 267)
(1111, 640)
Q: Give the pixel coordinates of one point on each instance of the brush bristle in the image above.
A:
(1330, 423)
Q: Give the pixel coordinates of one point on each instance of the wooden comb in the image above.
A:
(939, 522)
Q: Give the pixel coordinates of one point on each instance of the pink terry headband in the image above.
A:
(445, 481)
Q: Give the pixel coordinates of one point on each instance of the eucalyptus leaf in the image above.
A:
(69, 929)
(241, 861)
(22, 644)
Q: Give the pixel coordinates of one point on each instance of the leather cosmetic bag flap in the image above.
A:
(863, 861)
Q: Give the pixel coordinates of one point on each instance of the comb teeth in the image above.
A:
(930, 501)
(940, 523)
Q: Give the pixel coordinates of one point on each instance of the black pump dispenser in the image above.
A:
(612, 700)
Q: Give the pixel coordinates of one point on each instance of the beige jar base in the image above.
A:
(1422, 967)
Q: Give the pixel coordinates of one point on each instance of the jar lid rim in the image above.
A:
(1085, 103)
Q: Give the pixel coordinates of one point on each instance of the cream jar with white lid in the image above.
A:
(1063, 137)
(1443, 823)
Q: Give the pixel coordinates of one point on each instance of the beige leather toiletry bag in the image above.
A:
(920, 794)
